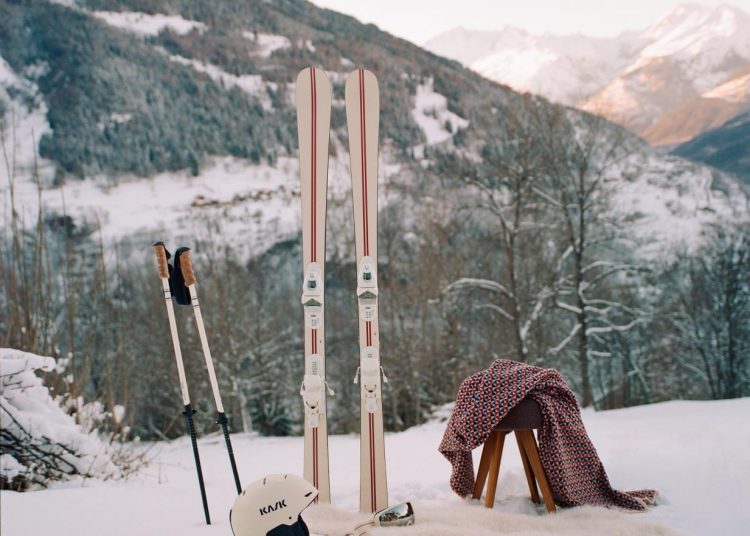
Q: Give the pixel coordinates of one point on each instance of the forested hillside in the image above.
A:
(725, 147)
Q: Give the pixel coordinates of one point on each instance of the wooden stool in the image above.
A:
(522, 419)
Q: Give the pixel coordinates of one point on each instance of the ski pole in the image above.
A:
(161, 261)
(186, 265)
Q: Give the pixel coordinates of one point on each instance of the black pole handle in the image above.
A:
(188, 413)
(224, 422)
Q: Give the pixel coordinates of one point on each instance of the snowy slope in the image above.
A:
(255, 201)
(565, 69)
(632, 79)
(686, 450)
(146, 24)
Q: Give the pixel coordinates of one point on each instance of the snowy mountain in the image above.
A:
(163, 119)
(636, 79)
(566, 69)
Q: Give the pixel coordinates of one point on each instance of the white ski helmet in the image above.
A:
(272, 507)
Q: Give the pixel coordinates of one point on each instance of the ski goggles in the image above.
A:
(400, 515)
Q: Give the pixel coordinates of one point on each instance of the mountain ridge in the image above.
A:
(724, 147)
(635, 79)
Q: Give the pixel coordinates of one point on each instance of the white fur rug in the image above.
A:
(472, 519)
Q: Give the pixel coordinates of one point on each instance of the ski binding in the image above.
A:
(312, 392)
(367, 289)
(369, 374)
(312, 296)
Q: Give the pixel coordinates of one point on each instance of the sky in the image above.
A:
(419, 20)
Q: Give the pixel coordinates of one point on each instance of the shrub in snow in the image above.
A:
(40, 440)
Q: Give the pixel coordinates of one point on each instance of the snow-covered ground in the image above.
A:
(256, 201)
(432, 115)
(145, 24)
(697, 454)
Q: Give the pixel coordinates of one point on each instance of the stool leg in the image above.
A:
(489, 499)
(529, 444)
(484, 465)
(527, 469)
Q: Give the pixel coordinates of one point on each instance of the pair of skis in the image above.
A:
(181, 278)
(313, 94)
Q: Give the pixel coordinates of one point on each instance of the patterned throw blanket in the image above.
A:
(572, 466)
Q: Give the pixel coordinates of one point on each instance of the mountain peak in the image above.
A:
(689, 16)
(635, 78)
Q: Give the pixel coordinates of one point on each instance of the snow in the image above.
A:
(562, 68)
(735, 90)
(431, 114)
(669, 204)
(258, 201)
(148, 25)
(24, 124)
(33, 421)
(693, 49)
(617, 91)
(518, 67)
(10, 468)
(692, 452)
(267, 43)
(249, 83)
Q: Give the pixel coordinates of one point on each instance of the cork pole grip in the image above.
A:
(161, 260)
(186, 264)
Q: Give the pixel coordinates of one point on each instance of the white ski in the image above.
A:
(313, 124)
(362, 115)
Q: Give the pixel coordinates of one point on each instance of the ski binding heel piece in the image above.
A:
(369, 373)
(312, 395)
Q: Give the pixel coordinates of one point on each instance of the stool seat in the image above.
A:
(522, 419)
(523, 416)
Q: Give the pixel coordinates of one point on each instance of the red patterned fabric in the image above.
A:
(572, 466)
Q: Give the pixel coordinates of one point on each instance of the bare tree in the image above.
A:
(505, 179)
(713, 313)
(581, 153)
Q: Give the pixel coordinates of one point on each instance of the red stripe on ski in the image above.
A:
(363, 149)
(314, 344)
(313, 164)
(368, 331)
(315, 459)
(373, 483)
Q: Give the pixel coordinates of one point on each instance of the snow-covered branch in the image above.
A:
(566, 340)
(40, 441)
(468, 283)
(567, 307)
(499, 310)
(613, 327)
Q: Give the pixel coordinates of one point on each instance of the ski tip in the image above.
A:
(158, 243)
(312, 72)
(368, 77)
(313, 82)
(303, 75)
